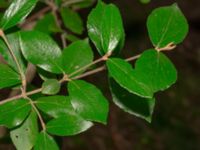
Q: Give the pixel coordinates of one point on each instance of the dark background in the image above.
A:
(176, 119)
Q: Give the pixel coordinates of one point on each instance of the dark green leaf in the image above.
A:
(67, 125)
(13, 39)
(45, 75)
(88, 101)
(76, 56)
(47, 24)
(24, 136)
(54, 106)
(14, 113)
(135, 105)
(167, 25)
(105, 28)
(41, 50)
(16, 12)
(124, 74)
(72, 20)
(72, 38)
(153, 72)
(8, 77)
(51, 87)
(45, 142)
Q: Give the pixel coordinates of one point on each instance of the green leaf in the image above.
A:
(45, 75)
(13, 39)
(45, 142)
(88, 101)
(72, 20)
(54, 106)
(41, 50)
(47, 24)
(76, 56)
(126, 77)
(72, 38)
(105, 28)
(8, 77)
(24, 136)
(67, 125)
(153, 72)
(14, 113)
(167, 25)
(16, 12)
(51, 87)
(135, 105)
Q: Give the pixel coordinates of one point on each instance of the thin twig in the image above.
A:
(38, 113)
(54, 9)
(70, 2)
(22, 75)
(99, 69)
(36, 16)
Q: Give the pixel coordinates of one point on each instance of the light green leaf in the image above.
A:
(16, 12)
(167, 25)
(105, 28)
(41, 50)
(54, 106)
(45, 142)
(14, 113)
(24, 136)
(88, 101)
(67, 125)
(135, 105)
(72, 20)
(13, 39)
(51, 87)
(47, 24)
(76, 56)
(8, 77)
(153, 72)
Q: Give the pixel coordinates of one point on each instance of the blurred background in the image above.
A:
(176, 120)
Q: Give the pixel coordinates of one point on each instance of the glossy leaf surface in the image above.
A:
(105, 27)
(153, 72)
(14, 113)
(54, 106)
(51, 87)
(88, 101)
(167, 25)
(131, 103)
(76, 56)
(13, 39)
(125, 75)
(68, 124)
(16, 12)
(8, 77)
(41, 50)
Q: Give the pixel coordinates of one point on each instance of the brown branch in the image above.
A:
(97, 70)
(36, 16)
